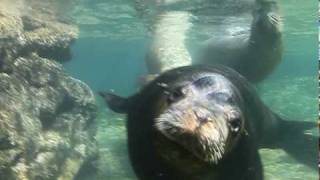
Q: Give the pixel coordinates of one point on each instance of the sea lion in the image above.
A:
(197, 122)
(254, 54)
(244, 35)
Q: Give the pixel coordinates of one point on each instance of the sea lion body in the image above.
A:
(196, 122)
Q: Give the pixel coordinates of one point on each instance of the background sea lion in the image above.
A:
(254, 55)
(197, 122)
(244, 35)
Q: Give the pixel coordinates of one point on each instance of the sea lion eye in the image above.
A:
(235, 125)
(175, 95)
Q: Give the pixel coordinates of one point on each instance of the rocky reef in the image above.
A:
(28, 26)
(47, 118)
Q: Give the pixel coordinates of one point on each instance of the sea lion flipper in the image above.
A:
(115, 103)
(296, 126)
(287, 129)
(294, 138)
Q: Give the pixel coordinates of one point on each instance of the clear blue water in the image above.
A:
(110, 55)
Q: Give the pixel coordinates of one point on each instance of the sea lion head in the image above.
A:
(203, 115)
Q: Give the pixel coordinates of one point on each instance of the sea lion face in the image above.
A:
(203, 116)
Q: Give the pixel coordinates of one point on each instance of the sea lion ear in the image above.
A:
(115, 103)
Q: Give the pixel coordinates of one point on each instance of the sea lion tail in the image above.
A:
(115, 103)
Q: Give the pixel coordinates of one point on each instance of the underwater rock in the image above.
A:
(47, 121)
(47, 118)
(36, 30)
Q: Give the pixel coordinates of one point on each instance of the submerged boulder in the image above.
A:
(32, 26)
(47, 118)
(47, 121)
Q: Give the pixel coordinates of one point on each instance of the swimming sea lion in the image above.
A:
(197, 122)
(253, 54)
(243, 34)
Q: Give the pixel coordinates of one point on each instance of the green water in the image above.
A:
(110, 53)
